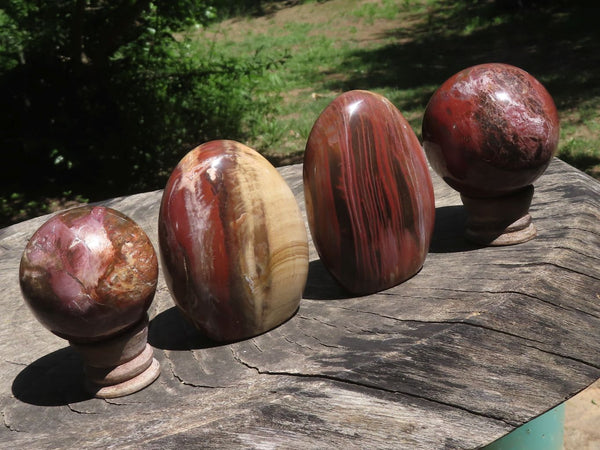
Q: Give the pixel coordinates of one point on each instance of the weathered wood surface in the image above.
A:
(477, 343)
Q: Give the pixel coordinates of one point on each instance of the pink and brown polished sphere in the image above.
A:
(490, 130)
(369, 196)
(233, 243)
(89, 273)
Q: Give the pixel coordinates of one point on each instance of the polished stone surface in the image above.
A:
(369, 196)
(89, 273)
(233, 243)
(490, 130)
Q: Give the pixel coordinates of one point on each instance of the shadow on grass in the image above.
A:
(253, 8)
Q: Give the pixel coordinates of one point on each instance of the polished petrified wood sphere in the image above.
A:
(233, 243)
(369, 196)
(89, 273)
(490, 130)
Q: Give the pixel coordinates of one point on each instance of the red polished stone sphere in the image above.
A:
(369, 196)
(89, 273)
(233, 244)
(490, 130)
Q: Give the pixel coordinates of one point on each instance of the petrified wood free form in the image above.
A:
(233, 243)
(368, 192)
(479, 342)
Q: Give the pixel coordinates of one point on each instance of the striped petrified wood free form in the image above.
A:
(368, 191)
(233, 243)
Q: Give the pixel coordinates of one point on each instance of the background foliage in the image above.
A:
(101, 98)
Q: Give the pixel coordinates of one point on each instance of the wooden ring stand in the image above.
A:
(500, 220)
(119, 365)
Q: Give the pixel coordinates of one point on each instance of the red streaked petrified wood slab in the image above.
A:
(233, 242)
(89, 273)
(369, 196)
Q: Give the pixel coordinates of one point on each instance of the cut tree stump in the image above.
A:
(479, 342)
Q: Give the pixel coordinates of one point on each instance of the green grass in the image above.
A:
(314, 70)
(386, 9)
(580, 136)
(333, 46)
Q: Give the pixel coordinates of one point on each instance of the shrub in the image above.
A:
(101, 99)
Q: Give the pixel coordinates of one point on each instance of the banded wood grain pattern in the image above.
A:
(233, 243)
(369, 196)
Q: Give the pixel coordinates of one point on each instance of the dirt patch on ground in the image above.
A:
(333, 19)
(582, 417)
